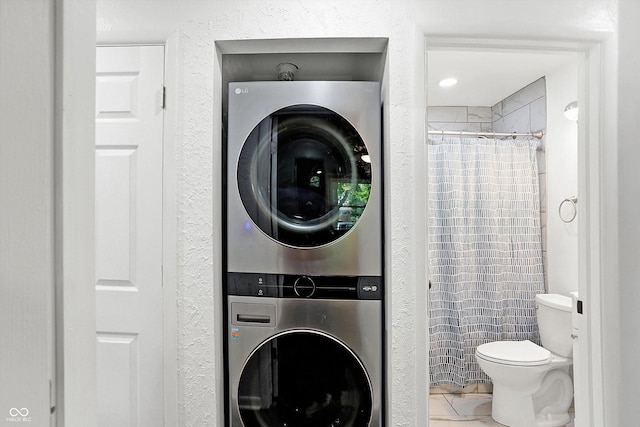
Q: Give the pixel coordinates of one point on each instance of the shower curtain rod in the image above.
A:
(465, 133)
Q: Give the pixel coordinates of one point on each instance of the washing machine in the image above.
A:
(303, 281)
(304, 178)
(306, 352)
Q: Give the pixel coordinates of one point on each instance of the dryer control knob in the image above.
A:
(304, 287)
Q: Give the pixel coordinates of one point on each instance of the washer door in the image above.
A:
(304, 176)
(304, 378)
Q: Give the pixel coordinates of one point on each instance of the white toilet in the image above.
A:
(531, 384)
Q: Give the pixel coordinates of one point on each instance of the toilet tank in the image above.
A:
(554, 321)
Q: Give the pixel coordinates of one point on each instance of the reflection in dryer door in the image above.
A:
(259, 393)
(302, 177)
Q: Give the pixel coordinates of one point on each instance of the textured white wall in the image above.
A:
(198, 25)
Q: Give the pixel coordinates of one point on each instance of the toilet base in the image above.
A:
(512, 408)
(550, 420)
(515, 407)
(553, 420)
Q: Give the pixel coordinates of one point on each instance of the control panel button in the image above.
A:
(304, 287)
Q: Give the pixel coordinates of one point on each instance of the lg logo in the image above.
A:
(239, 90)
(18, 415)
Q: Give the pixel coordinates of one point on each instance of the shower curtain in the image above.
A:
(485, 250)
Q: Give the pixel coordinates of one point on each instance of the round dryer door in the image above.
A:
(304, 176)
(304, 378)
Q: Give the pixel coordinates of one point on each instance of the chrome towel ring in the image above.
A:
(574, 202)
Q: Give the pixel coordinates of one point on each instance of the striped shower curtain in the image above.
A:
(485, 250)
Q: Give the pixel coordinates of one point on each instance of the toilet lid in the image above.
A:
(521, 353)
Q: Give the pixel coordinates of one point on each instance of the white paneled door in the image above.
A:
(129, 140)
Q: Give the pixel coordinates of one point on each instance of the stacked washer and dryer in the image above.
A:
(304, 264)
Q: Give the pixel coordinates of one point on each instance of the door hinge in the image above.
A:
(164, 98)
(52, 398)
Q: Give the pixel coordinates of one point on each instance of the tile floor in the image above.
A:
(462, 410)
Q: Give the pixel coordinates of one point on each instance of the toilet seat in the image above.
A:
(516, 353)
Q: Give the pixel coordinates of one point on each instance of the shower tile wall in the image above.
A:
(522, 111)
(471, 119)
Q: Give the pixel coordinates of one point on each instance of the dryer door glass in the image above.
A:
(304, 176)
(304, 379)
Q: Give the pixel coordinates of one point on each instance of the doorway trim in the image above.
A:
(170, 232)
(74, 158)
(590, 95)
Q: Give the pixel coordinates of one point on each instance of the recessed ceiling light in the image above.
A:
(448, 82)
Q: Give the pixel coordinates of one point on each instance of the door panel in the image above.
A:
(117, 394)
(116, 222)
(129, 84)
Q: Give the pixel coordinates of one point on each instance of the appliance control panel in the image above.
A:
(302, 286)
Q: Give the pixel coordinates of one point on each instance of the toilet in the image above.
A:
(531, 384)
